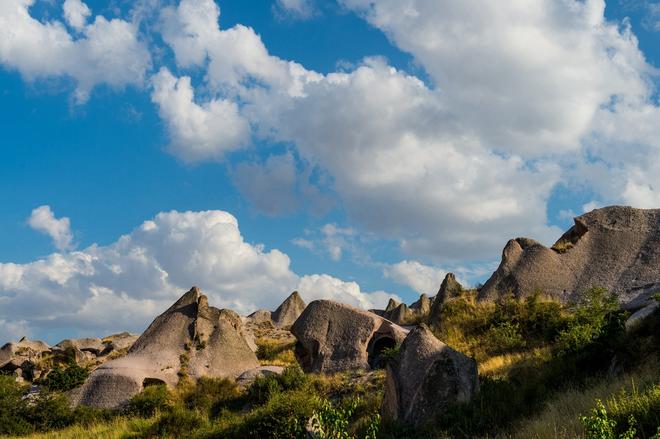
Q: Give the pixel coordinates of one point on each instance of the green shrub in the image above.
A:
(210, 395)
(504, 337)
(49, 411)
(178, 423)
(265, 387)
(64, 379)
(152, 400)
(284, 416)
(12, 407)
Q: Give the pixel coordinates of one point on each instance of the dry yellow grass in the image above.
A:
(500, 365)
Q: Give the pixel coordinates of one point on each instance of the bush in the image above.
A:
(210, 395)
(285, 415)
(152, 400)
(596, 319)
(504, 337)
(265, 387)
(64, 379)
(178, 422)
(49, 411)
(12, 407)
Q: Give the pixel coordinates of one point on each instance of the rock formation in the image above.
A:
(450, 288)
(289, 311)
(422, 306)
(333, 337)
(22, 358)
(189, 340)
(427, 377)
(614, 247)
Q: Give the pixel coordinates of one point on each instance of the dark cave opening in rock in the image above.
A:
(152, 382)
(378, 347)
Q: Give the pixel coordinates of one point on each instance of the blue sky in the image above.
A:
(368, 144)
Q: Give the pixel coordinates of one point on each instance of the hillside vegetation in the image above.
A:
(546, 370)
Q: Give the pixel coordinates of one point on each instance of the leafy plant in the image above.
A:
(64, 379)
(152, 400)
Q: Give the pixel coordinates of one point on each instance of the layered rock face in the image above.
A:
(190, 339)
(334, 337)
(427, 377)
(616, 247)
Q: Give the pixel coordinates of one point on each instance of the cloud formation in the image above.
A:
(121, 286)
(106, 52)
(43, 220)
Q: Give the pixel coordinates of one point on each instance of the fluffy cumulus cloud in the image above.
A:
(43, 220)
(106, 51)
(198, 132)
(421, 278)
(452, 168)
(123, 285)
(323, 286)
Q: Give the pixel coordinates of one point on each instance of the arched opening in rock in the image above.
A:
(152, 382)
(378, 349)
(304, 356)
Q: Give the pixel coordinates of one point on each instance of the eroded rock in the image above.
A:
(426, 378)
(334, 337)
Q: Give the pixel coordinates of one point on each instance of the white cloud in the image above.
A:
(298, 9)
(323, 286)
(453, 169)
(108, 52)
(76, 13)
(43, 220)
(123, 285)
(198, 132)
(652, 19)
(421, 278)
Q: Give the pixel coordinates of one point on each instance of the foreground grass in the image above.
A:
(119, 428)
(560, 417)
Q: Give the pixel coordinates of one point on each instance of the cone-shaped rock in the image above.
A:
(289, 311)
(614, 247)
(422, 306)
(401, 315)
(392, 304)
(333, 337)
(426, 378)
(449, 289)
(190, 339)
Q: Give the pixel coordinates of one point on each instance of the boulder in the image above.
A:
(334, 337)
(249, 376)
(188, 341)
(639, 315)
(615, 247)
(22, 358)
(92, 345)
(426, 378)
(289, 311)
(118, 342)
